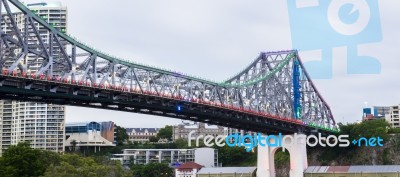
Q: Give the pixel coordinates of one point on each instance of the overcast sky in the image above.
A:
(217, 38)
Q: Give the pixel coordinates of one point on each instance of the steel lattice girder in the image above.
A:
(265, 87)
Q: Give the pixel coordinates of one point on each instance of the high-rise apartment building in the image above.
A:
(393, 117)
(39, 123)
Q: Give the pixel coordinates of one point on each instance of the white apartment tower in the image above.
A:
(393, 117)
(39, 123)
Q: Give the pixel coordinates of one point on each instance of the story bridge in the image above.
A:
(273, 94)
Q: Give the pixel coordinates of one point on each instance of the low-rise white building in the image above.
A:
(188, 169)
(207, 157)
(86, 136)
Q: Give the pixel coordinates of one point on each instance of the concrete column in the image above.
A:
(265, 160)
(298, 158)
(159, 156)
(147, 156)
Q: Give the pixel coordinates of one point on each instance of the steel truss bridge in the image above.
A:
(273, 94)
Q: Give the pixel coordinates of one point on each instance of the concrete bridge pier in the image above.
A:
(297, 152)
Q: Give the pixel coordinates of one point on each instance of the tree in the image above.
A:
(152, 170)
(153, 139)
(182, 143)
(73, 165)
(367, 129)
(165, 133)
(394, 130)
(282, 163)
(233, 156)
(73, 144)
(23, 161)
(121, 135)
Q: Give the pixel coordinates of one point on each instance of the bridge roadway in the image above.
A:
(66, 92)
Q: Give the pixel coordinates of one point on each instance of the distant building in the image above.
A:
(393, 116)
(351, 171)
(227, 171)
(88, 136)
(188, 169)
(207, 157)
(182, 131)
(231, 131)
(108, 131)
(367, 114)
(380, 111)
(141, 135)
(376, 112)
(41, 124)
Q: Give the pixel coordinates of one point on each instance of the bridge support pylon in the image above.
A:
(298, 157)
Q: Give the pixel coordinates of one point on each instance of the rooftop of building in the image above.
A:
(44, 5)
(189, 165)
(353, 169)
(142, 130)
(87, 122)
(38, 6)
(68, 124)
(230, 170)
(90, 139)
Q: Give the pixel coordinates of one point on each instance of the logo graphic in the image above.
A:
(322, 25)
(284, 141)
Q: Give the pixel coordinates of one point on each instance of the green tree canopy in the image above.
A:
(23, 161)
(153, 139)
(152, 170)
(165, 133)
(121, 135)
(73, 165)
(367, 129)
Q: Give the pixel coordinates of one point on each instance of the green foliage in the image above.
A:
(23, 161)
(236, 156)
(386, 158)
(282, 162)
(394, 131)
(153, 139)
(121, 135)
(165, 133)
(181, 143)
(367, 129)
(395, 143)
(73, 165)
(152, 170)
(354, 154)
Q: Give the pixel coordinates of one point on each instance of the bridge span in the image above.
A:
(272, 94)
